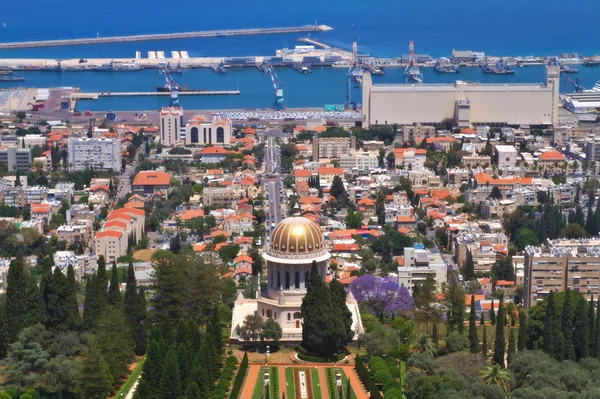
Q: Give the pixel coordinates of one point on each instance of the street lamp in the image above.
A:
(267, 355)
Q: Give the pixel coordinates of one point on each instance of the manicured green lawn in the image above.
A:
(131, 379)
(316, 386)
(290, 390)
(258, 391)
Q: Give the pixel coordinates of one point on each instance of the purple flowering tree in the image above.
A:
(381, 296)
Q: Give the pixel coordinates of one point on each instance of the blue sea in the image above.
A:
(383, 28)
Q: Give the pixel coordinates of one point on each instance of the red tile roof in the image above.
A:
(152, 178)
(109, 233)
(214, 150)
(552, 156)
(331, 171)
(303, 173)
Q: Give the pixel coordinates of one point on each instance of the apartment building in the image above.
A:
(121, 224)
(222, 197)
(332, 147)
(149, 182)
(359, 161)
(417, 133)
(94, 153)
(572, 264)
(15, 158)
(417, 264)
(171, 121)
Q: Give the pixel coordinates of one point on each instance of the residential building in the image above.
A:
(410, 158)
(148, 182)
(111, 244)
(332, 147)
(213, 155)
(592, 148)
(417, 133)
(551, 160)
(572, 264)
(15, 158)
(238, 224)
(505, 156)
(417, 264)
(31, 140)
(326, 175)
(497, 209)
(94, 153)
(171, 122)
(457, 176)
(222, 196)
(359, 161)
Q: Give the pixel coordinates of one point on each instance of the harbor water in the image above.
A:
(382, 29)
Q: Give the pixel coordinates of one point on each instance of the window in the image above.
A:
(269, 313)
(287, 280)
(194, 135)
(297, 280)
(289, 317)
(220, 135)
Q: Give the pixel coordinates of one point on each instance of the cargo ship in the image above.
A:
(500, 68)
(166, 89)
(117, 68)
(445, 66)
(5, 72)
(592, 62)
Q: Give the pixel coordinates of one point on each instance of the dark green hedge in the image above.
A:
(239, 378)
(365, 377)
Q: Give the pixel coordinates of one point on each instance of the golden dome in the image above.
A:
(297, 235)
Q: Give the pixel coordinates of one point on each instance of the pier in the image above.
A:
(165, 36)
(95, 96)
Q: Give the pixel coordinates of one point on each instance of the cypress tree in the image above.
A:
(4, 332)
(469, 272)
(596, 341)
(152, 370)
(72, 306)
(135, 310)
(559, 347)
(581, 330)
(96, 298)
(597, 219)
(16, 297)
(492, 314)
(482, 319)
(522, 343)
(567, 328)
(484, 344)
(590, 225)
(512, 347)
(101, 279)
(338, 298)
(143, 390)
(93, 377)
(322, 332)
(473, 338)
(193, 391)
(170, 381)
(550, 326)
(36, 311)
(591, 326)
(114, 293)
(56, 289)
(500, 343)
(434, 335)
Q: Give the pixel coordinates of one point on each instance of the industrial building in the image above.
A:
(98, 154)
(467, 103)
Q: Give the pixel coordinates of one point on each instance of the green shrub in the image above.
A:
(239, 378)
(383, 376)
(394, 371)
(377, 367)
(391, 384)
(391, 362)
(395, 393)
(374, 360)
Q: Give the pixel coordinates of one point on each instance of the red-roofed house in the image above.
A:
(243, 261)
(405, 221)
(238, 223)
(551, 160)
(367, 206)
(245, 243)
(302, 175)
(213, 154)
(347, 248)
(41, 212)
(508, 183)
(148, 182)
(327, 174)
(111, 244)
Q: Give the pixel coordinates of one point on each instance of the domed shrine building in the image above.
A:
(295, 243)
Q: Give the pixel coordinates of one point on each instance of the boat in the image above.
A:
(499, 68)
(377, 71)
(5, 72)
(595, 89)
(11, 78)
(443, 65)
(591, 62)
(111, 67)
(568, 69)
(166, 89)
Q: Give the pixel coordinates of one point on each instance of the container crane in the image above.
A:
(412, 73)
(171, 86)
(277, 86)
(578, 88)
(354, 74)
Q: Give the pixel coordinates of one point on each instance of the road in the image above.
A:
(272, 156)
(273, 183)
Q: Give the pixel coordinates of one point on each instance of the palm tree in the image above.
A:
(425, 345)
(496, 375)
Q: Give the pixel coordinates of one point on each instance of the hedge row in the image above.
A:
(365, 377)
(239, 378)
(308, 357)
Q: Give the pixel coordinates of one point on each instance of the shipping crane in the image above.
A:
(578, 88)
(412, 73)
(354, 75)
(170, 86)
(277, 86)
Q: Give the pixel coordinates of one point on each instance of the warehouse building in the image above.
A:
(467, 103)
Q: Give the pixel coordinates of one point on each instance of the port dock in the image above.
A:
(95, 96)
(164, 36)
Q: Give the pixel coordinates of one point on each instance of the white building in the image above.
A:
(171, 121)
(359, 161)
(295, 243)
(31, 140)
(506, 156)
(201, 131)
(16, 158)
(96, 153)
(418, 264)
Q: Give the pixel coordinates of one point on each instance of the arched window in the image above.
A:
(306, 278)
(287, 280)
(194, 135)
(220, 135)
(289, 316)
(297, 316)
(269, 313)
(297, 280)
